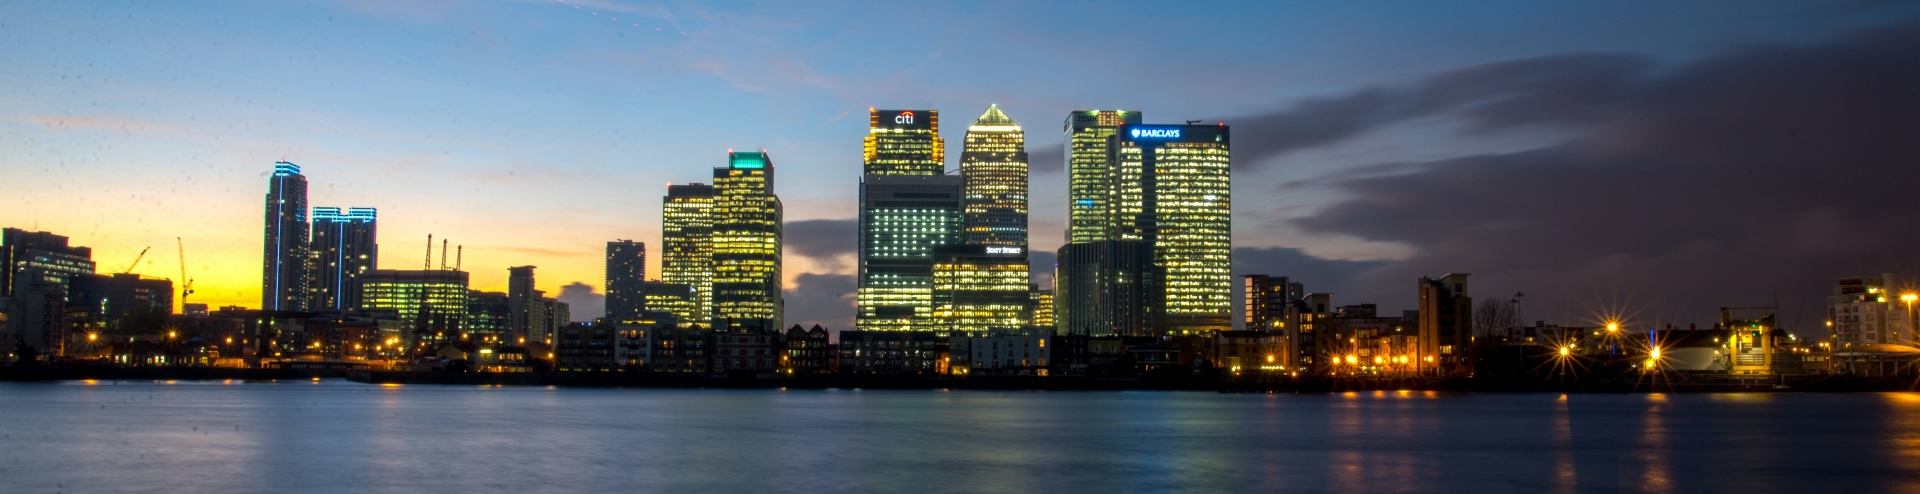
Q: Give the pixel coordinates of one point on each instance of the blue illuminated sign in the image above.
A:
(1155, 132)
(1083, 202)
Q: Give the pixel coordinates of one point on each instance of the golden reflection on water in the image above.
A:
(1653, 448)
(1904, 442)
(1566, 476)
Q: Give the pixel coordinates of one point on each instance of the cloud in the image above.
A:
(582, 303)
(824, 299)
(1753, 176)
(827, 242)
(1051, 158)
(1558, 89)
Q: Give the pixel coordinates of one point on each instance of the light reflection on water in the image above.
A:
(343, 437)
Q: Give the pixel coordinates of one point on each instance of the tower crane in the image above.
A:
(136, 260)
(186, 284)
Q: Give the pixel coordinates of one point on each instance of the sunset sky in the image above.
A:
(1660, 159)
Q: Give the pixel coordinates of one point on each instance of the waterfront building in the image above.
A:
(902, 219)
(673, 298)
(1301, 326)
(526, 315)
(1006, 351)
(584, 347)
(1446, 325)
(904, 142)
(806, 351)
(892, 352)
(626, 279)
(686, 243)
(744, 349)
(1089, 175)
(747, 225)
(428, 302)
(633, 339)
(1865, 311)
(1265, 302)
(344, 247)
(1099, 289)
(977, 287)
(1249, 351)
(556, 316)
(36, 315)
(994, 164)
(21, 250)
(1171, 191)
(679, 349)
(284, 281)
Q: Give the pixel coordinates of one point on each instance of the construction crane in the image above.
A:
(136, 260)
(186, 284)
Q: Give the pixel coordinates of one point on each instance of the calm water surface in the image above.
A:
(335, 436)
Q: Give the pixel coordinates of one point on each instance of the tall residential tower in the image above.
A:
(626, 279)
(344, 247)
(283, 284)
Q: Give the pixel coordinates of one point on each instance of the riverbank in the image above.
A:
(1664, 383)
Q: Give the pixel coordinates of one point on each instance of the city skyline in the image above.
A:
(1321, 162)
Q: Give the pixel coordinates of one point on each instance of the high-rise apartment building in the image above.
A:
(904, 142)
(626, 280)
(994, 163)
(1171, 191)
(902, 220)
(344, 247)
(1089, 173)
(1266, 301)
(686, 244)
(1446, 325)
(980, 287)
(283, 283)
(746, 244)
(526, 315)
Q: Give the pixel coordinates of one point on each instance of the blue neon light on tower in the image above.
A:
(344, 247)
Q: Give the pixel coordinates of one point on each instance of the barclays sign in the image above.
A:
(1155, 132)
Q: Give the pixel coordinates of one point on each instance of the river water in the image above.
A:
(336, 436)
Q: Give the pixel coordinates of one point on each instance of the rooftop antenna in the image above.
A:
(1193, 122)
(428, 265)
(459, 254)
(443, 254)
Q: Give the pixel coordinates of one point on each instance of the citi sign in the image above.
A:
(905, 117)
(1156, 133)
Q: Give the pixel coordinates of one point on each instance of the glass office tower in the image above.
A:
(902, 220)
(994, 162)
(746, 244)
(904, 142)
(686, 244)
(978, 287)
(1090, 178)
(1182, 211)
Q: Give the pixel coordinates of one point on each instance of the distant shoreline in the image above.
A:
(1317, 384)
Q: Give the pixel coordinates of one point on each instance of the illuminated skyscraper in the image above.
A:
(626, 279)
(902, 220)
(1183, 212)
(904, 142)
(1090, 178)
(283, 284)
(746, 244)
(977, 287)
(994, 163)
(686, 244)
(674, 298)
(344, 247)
